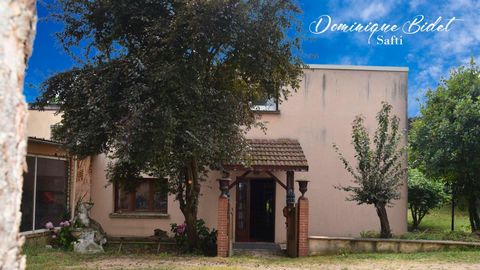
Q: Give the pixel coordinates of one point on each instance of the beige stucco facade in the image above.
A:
(319, 114)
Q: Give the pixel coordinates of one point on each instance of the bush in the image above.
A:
(369, 234)
(63, 237)
(207, 238)
(423, 195)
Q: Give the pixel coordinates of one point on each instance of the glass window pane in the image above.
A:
(160, 198)
(241, 204)
(150, 196)
(123, 202)
(27, 196)
(51, 189)
(141, 196)
(268, 104)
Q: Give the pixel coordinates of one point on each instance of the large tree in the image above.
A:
(165, 86)
(378, 170)
(445, 139)
(18, 21)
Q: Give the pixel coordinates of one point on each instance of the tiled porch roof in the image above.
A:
(272, 154)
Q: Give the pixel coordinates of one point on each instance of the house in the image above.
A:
(297, 145)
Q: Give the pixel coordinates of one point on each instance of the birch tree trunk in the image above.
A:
(17, 29)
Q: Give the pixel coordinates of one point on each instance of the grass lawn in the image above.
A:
(41, 258)
(440, 220)
(436, 226)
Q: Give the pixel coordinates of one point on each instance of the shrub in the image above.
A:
(423, 195)
(369, 234)
(179, 235)
(207, 238)
(63, 237)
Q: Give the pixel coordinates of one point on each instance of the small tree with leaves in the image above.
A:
(379, 171)
(423, 195)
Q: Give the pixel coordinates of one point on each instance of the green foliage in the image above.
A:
(445, 139)
(165, 87)
(63, 237)
(207, 238)
(369, 234)
(179, 235)
(379, 171)
(423, 195)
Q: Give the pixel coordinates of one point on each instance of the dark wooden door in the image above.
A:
(262, 210)
(242, 232)
(255, 210)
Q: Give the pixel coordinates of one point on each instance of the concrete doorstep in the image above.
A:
(258, 248)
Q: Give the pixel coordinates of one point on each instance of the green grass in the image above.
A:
(437, 226)
(41, 258)
(440, 220)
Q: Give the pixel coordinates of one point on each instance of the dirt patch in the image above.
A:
(219, 263)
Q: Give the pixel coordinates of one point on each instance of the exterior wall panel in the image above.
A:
(319, 114)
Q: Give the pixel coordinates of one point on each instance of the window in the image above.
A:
(266, 105)
(44, 195)
(150, 196)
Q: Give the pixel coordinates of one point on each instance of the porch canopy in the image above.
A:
(272, 155)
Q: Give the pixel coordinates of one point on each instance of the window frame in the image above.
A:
(132, 199)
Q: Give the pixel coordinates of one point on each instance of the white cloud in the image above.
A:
(431, 55)
(361, 9)
(435, 54)
(354, 60)
(414, 4)
(374, 11)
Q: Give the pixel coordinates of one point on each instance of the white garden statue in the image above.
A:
(89, 233)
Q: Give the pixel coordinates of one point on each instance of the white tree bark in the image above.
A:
(17, 29)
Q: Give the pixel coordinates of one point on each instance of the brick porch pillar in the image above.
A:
(302, 227)
(223, 219)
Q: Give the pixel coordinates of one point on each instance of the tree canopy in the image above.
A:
(445, 139)
(165, 86)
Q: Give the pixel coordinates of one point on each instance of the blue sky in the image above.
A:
(428, 55)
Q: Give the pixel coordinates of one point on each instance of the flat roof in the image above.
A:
(350, 67)
(42, 140)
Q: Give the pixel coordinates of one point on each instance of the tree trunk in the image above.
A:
(473, 214)
(17, 29)
(415, 220)
(384, 224)
(190, 208)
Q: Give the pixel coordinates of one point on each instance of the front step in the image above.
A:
(257, 248)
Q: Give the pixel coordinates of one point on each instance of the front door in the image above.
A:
(255, 210)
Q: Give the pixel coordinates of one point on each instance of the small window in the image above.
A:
(266, 105)
(150, 196)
